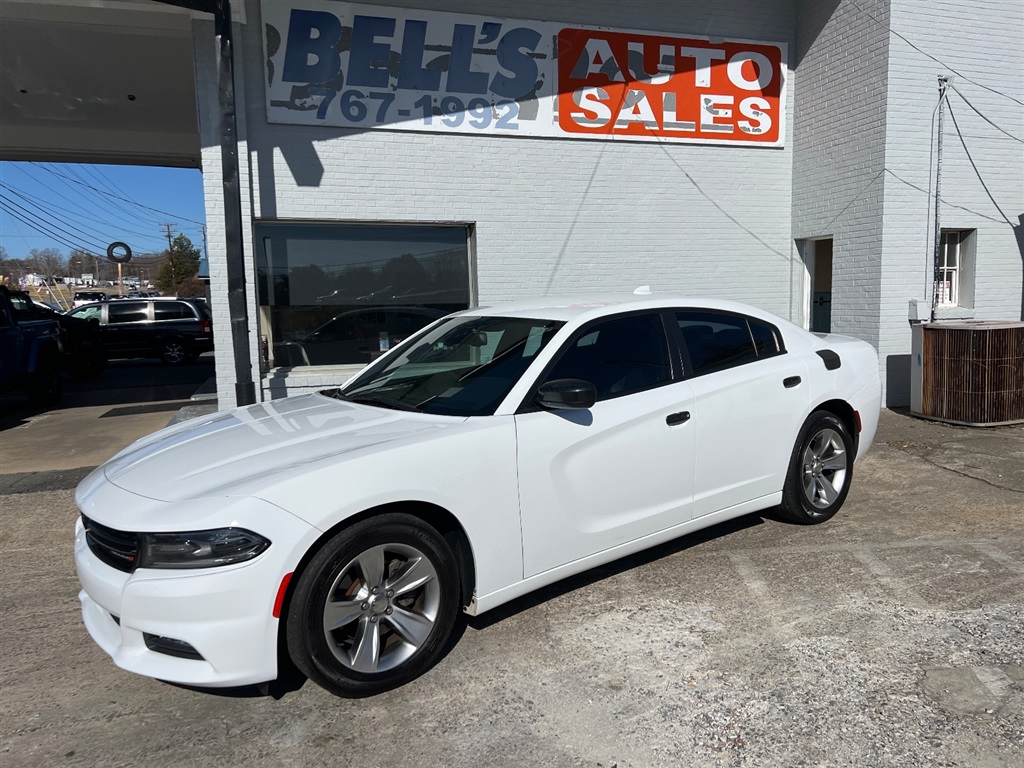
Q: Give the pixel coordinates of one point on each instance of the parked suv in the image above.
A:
(175, 330)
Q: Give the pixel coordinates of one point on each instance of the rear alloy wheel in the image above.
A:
(174, 351)
(820, 470)
(375, 606)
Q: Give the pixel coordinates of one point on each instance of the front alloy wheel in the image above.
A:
(374, 607)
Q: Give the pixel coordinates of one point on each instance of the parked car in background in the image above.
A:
(84, 354)
(87, 297)
(494, 452)
(30, 353)
(174, 330)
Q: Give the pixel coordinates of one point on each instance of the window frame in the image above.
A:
(687, 363)
(529, 405)
(126, 303)
(193, 312)
(264, 227)
(961, 284)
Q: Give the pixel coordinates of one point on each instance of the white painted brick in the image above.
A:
(579, 216)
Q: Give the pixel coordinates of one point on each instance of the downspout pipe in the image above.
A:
(238, 308)
(937, 254)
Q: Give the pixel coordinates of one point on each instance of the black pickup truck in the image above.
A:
(30, 353)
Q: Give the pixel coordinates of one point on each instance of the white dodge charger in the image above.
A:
(498, 450)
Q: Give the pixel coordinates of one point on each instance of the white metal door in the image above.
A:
(746, 421)
(592, 479)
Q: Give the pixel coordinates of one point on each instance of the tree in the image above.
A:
(48, 262)
(179, 268)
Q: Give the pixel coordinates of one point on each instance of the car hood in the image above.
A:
(240, 451)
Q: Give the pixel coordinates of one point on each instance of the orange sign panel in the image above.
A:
(658, 87)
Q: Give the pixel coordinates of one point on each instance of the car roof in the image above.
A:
(568, 308)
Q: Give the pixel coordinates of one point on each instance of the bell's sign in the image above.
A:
(364, 67)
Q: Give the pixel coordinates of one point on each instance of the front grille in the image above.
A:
(115, 548)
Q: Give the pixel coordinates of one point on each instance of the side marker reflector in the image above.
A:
(281, 591)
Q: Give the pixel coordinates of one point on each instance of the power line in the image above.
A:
(85, 182)
(975, 167)
(56, 210)
(888, 28)
(71, 187)
(724, 212)
(105, 180)
(118, 197)
(50, 235)
(983, 117)
(98, 198)
(912, 185)
(25, 211)
(40, 183)
(106, 211)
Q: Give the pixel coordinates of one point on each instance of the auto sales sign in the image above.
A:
(366, 67)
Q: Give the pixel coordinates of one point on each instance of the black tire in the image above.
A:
(174, 351)
(45, 385)
(410, 624)
(820, 470)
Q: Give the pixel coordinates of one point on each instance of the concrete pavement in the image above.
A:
(892, 635)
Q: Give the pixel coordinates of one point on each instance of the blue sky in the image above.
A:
(69, 205)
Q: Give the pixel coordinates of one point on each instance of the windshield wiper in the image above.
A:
(387, 402)
(336, 393)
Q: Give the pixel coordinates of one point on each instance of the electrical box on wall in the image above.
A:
(920, 311)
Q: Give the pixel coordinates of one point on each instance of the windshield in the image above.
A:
(465, 366)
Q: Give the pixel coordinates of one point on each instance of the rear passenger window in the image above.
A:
(716, 341)
(766, 338)
(127, 312)
(172, 310)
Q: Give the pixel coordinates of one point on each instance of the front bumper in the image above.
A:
(225, 614)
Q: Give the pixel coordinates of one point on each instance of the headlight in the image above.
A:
(199, 549)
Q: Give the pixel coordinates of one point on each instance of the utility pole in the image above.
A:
(167, 228)
(937, 257)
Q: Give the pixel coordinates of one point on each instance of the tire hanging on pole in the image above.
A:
(120, 258)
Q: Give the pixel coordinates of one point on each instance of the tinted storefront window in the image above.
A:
(335, 294)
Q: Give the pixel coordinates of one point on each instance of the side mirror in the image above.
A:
(566, 393)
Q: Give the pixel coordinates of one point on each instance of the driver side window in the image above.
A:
(619, 357)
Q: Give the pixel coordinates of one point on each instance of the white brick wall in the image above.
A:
(985, 42)
(863, 135)
(839, 151)
(576, 216)
(552, 216)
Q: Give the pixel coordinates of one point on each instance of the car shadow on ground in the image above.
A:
(614, 568)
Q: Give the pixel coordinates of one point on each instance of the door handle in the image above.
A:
(790, 381)
(677, 418)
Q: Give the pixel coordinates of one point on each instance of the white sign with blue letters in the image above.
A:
(341, 64)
